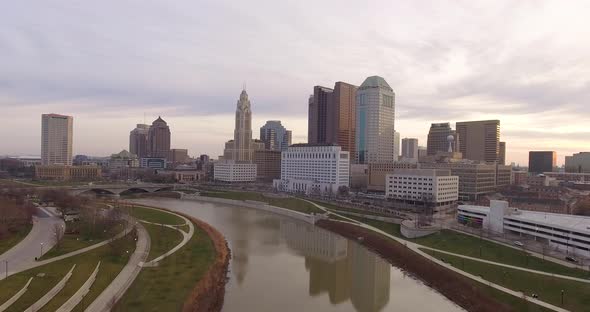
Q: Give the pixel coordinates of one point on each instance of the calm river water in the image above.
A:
(281, 264)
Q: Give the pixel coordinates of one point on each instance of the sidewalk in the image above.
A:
(106, 300)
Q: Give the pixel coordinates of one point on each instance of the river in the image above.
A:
(280, 264)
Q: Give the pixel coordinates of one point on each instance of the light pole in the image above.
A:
(562, 292)
(6, 267)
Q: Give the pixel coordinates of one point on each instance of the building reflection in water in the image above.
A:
(339, 267)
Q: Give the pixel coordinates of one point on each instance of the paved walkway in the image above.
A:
(16, 296)
(27, 264)
(106, 300)
(185, 237)
(40, 240)
(415, 247)
(79, 295)
(51, 293)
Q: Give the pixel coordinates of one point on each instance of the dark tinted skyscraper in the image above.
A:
(542, 161)
(318, 117)
(438, 138)
(159, 139)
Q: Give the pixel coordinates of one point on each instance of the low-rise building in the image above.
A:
(378, 171)
(568, 233)
(234, 172)
(359, 177)
(579, 162)
(519, 177)
(185, 174)
(314, 169)
(68, 173)
(153, 163)
(423, 187)
(123, 159)
(475, 179)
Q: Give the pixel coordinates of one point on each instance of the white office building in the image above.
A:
(234, 172)
(423, 186)
(569, 233)
(313, 169)
(375, 117)
(56, 139)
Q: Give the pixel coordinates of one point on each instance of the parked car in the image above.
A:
(571, 259)
(519, 244)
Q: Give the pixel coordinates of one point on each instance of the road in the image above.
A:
(38, 242)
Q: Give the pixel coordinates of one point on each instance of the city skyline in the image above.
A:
(532, 81)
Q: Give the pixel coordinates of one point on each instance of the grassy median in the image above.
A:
(291, 203)
(471, 246)
(166, 287)
(576, 294)
(113, 258)
(14, 238)
(155, 216)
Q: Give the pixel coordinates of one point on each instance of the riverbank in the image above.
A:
(461, 290)
(204, 259)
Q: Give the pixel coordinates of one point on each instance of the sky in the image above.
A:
(115, 63)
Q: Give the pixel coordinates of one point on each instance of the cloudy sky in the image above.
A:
(109, 63)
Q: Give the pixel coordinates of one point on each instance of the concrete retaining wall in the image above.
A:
(409, 230)
(312, 219)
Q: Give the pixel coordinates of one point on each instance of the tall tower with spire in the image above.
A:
(243, 149)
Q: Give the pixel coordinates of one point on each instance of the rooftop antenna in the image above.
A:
(244, 86)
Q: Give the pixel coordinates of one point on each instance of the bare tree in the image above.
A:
(58, 234)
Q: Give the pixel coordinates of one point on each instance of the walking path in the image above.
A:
(185, 238)
(50, 294)
(106, 300)
(14, 298)
(39, 240)
(577, 279)
(27, 263)
(79, 295)
(416, 248)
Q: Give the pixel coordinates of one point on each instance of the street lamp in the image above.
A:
(562, 292)
(41, 255)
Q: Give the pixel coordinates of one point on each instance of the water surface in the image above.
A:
(281, 264)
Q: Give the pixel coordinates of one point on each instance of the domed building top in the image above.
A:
(375, 82)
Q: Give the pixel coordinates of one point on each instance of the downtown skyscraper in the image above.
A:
(138, 140)
(57, 136)
(375, 122)
(242, 149)
(332, 116)
(274, 136)
(159, 139)
(480, 140)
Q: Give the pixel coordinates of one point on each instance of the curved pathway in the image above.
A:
(31, 263)
(416, 248)
(39, 240)
(104, 302)
(79, 295)
(185, 237)
(50, 294)
(14, 298)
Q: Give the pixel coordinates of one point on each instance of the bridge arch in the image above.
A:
(133, 190)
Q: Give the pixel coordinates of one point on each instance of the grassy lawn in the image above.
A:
(288, 203)
(576, 294)
(165, 287)
(468, 245)
(73, 242)
(155, 216)
(162, 239)
(14, 238)
(113, 257)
